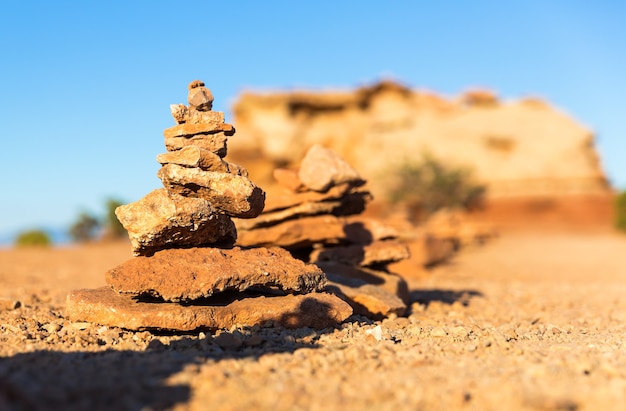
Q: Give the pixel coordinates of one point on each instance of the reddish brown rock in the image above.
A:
(377, 252)
(190, 130)
(299, 233)
(188, 274)
(232, 194)
(194, 156)
(322, 168)
(215, 143)
(366, 299)
(103, 306)
(160, 221)
(390, 282)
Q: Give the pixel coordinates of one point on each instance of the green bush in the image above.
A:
(428, 185)
(85, 228)
(620, 211)
(114, 228)
(33, 238)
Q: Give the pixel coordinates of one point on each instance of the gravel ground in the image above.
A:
(525, 322)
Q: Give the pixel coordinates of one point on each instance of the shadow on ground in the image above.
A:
(427, 297)
(123, 379)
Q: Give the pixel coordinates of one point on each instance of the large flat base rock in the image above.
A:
(105, 307)
(191, 273)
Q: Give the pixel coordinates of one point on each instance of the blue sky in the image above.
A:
(85, 87)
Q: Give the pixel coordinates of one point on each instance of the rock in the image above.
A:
(215, 143)
(204, 117)
(179, 112)
(376, 125)
(104, 306)
(366, 299)
(390, 282)
(231, 194)
(322, 168)
(159, 221)
(276, 217)
(378, 252)
(196, 157)
(282, 199)
(192, 273)
(294, 234)
(190, 130)
(363, 230)
(199, 97)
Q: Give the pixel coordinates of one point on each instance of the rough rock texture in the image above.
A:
(103, 306)
(189, 274)
(372, 126)
(159, 221)
(231, 194)
(215, 143)
(196, 157)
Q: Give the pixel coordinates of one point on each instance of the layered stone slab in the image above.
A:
(373, 294)
(183, 114)
(293, 234)
(196, 157)
(215, 143)
(190, 130)
(188, 274)
(232, 194)
(160, 220)
(390, 282)
(377, 252)
(104, 306)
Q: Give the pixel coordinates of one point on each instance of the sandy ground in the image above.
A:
(526, 322)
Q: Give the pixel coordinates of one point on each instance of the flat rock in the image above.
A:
(215, 143)
(276, 217)
(159, 221)
(190, 130)
(105, 307)
(377, 252)
(196, 157)
(352, 275)
(364, 230)
(366, 299)
(188, 274)
(284, 198)
(321, 168)
(299, 233)
(231, 194)
(183, 114)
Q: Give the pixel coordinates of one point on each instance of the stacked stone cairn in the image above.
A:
(314, 213)
(186, 273)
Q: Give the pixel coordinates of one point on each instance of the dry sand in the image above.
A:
(527, 321)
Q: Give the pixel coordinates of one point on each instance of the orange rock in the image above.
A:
(192, 273)
(103, 306)
(231, 194)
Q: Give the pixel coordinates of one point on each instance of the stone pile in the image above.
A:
(187, 274)
(314, 213)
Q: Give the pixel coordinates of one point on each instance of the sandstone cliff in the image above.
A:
(519, 148)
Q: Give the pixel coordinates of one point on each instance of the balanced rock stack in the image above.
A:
(314, 214)
(186, 273)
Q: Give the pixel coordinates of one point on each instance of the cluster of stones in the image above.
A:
(186, 273)
(314, 213)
